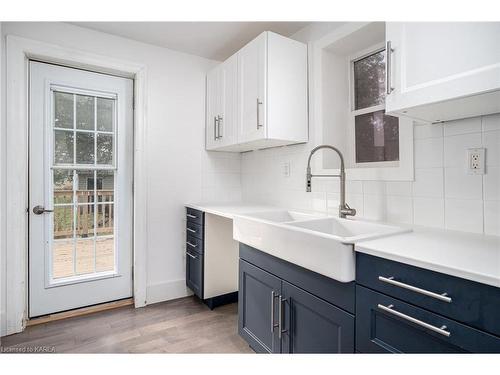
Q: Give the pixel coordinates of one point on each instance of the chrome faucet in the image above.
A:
(344, 209)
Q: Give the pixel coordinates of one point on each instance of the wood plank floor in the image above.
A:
(181, 326)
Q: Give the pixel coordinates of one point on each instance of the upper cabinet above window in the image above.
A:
(258, 97)
(440, 71)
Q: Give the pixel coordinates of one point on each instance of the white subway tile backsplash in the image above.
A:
(464, 215)
(374, 207)
(428, 212)
(455, 148)
(399, 209)
(442, 194)
(492, 217)
(429, 182)
(468, 125)
(423, 131)
(492, 184)
(460, 185)
(399, 188)
(491, 142)
(429, 153)
(491, 122)
(374, 187)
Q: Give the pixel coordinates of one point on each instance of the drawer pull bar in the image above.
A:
(390, 280)
(191, 230)
(191, 255)
(441, 330)
(192, 216)
(273, 297)
(190, 244)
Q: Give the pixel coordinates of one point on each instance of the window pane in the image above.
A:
(84, 112)
(105, 186)
(63, 148)
(62, 259)
(85, 186)
(84, 256)
(63, 110)
(63, 222)
(105, 219)
(369, 81)
(105, 114)
(105, 254)
(104, 149)
(63, 186)
(84, 148)
(377, 137)
(85, 220)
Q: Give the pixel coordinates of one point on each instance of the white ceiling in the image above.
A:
(213, 40)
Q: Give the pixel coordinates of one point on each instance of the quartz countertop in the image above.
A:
(469, 256)
(228, 210)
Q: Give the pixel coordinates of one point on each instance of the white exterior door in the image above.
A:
(81, 173)
(252, 93)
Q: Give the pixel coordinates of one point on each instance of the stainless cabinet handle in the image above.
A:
(219, 133)
(390, 309)
(388, 68)
(191, 230)
(273, 297)
(280, 313)
(190, 244)
(192, 216)
(191, 255)
(38, 210)
(258, 114)
(390, 280)
(215, 128)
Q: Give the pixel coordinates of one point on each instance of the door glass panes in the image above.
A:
(83, 184)
(63, 147)
(104, 149)
(377, 137)
(63, 110)
(85, 112)
(105, 114)
(369, 81)
(85, 148)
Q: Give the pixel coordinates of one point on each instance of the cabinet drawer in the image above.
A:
(194, 216)
(194, 244)
(472, 303)
(194, 229)
(388, 325)
(194, 272)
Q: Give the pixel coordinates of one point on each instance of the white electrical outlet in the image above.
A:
(475, 160)
(286, 169)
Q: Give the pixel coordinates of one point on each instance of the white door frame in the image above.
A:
(18, 53)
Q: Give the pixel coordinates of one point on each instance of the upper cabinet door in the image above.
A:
(213, 109)
(252, 93)
(228, 98)
(443, 70)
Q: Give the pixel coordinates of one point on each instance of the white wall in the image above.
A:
(2, 186)
(179, 168)
(443, 195)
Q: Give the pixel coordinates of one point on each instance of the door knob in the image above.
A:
(38, 210)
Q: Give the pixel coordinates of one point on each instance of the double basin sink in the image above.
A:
(322, 244)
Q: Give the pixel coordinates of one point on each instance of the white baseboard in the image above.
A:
(166, 291)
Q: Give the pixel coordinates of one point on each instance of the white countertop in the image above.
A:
(228, 210)
(470, 256)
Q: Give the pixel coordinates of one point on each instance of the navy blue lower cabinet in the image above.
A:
(194, 272)
(257, 308)
(387, 325)
(281, 308)
(311, 325)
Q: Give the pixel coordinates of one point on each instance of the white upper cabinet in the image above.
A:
(441, 71)
(222, 115)
(262, 96)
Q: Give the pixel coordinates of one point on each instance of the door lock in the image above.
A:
(38, 210)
